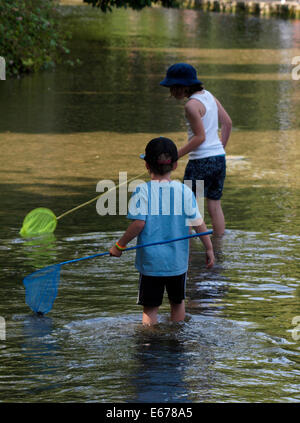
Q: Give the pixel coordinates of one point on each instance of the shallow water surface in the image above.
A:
(236, 343)
(63, 131)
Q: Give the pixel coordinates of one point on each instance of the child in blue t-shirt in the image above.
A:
(162, 209)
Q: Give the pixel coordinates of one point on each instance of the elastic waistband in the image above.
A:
(209, 157)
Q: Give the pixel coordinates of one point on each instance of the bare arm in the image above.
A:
(210, 258)
(132, 231)
(192, 112)
(226, 123)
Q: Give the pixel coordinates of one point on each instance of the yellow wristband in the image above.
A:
(119, 247)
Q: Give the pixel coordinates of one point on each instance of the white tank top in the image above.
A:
(212, 146)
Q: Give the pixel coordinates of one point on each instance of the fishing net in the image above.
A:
(42, 221)
(41, 288)
(38, 222)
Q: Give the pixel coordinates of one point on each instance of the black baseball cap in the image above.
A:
(158, 146)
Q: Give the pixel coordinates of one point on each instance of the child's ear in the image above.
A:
(175, 165)
(148, 168)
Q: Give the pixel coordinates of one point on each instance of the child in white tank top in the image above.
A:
(205, 148)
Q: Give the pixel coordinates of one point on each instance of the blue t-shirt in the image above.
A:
(169, 209)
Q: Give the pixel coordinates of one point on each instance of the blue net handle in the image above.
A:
(41, 286)
(107, 253)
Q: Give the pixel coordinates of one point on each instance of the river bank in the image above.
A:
(287, 10)
(281, 9)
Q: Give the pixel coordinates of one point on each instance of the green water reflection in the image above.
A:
(124, 56)
(62, 132)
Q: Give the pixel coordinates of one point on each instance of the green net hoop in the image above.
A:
(43, 221)
(38, 222)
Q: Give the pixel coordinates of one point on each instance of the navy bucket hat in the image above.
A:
(180, 74)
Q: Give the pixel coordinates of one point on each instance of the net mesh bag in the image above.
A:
(38, 222)
(41, 288)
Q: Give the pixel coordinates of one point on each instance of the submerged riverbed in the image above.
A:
(63, 131)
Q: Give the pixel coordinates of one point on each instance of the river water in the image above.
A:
(63, 131)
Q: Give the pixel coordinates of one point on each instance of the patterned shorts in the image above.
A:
(211, 170)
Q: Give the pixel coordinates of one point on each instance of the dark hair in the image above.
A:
(190, 90)
(161, 169)
(160, 155)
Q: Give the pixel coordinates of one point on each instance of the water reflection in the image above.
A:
(36, 360)
(71, 128)
(161, 363)
(143, 44)
(237, 335)
(35, 329)
(40, 251)
(206, 288)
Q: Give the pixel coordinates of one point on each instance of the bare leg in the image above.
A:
(177, 311)
(150, 315)
(217, 217)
